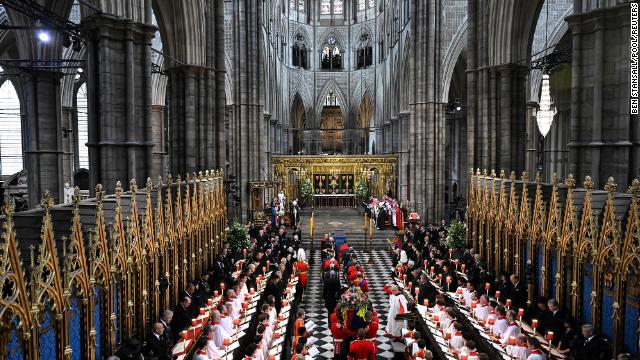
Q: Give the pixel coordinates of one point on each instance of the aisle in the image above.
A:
(378, 274)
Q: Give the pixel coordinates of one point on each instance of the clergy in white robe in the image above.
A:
(211, 350)
(219, 332)
(482, 309)
(227, 323)
(500, 326)
(457, 341)
(512, 330)
(520, 351)
(468, 294)
(397, 306)
(536, 353)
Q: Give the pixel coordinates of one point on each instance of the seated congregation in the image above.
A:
(458, 311)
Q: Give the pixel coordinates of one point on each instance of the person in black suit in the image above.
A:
(427, 291)
(190, 292)
(331, 290)
(158, 346)
(165, 320)
(518, 293)
(181, 317)
(555, 320)
(591, 346)
(273, 288)
(204, 291)
(505, 287)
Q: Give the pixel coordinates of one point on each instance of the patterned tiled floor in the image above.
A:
(377, 274)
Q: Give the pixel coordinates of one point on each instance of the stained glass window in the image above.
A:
(10, 130)
(300, 3)
(338, 7)
(83, 127)
(364, 4)
(325, 7)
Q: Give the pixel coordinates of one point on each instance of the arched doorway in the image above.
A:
(331, 125)
(365, 117)
(298, 123)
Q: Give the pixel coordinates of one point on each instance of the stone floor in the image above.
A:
(378, 274)
(349, 219)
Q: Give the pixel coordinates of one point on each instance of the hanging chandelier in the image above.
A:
(544, 116)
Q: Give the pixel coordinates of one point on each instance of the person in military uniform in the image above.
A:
(361, 348)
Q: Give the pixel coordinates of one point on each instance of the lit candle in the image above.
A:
(183, 334)
(491, 321)
(404, 277)
(276, 335)
(417, 291)
(222, 286)
(462, 267)
(272, 357)
(264, 269)
(520, 313)
(487, 286)
(252, 291)
(512, 340)
(550, 336)
(209, 302)
(426, 262)
(236, 322)
(201, 311)
(193, 322)
(508, 303)
(426, 302)
(226, 342)
(456, 262)
(497, 294)
(410, 284)
(450, 253)
(215, 293)
(534, 325)
(433, 270)
(464, 357)
(280, 317)
(245, 305)
(474, 303)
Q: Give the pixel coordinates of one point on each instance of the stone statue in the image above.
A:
(68, 193)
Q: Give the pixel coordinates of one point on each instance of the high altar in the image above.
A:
(334, 178)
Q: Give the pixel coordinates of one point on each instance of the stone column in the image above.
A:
(426, 124)
(43, 154)
(193, 141)
(531, 138)
(158, 135)
(119, 99)
(69, 141)
(249, 161)
(601, 126)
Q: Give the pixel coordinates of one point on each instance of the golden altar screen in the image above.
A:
(333, 178)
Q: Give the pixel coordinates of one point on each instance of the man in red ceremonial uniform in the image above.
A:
(343, 248)
(332, 261)
(362, 349)
(301, 269)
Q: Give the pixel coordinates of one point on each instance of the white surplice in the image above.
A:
(518, 352)
(512, 330)
(397, 305)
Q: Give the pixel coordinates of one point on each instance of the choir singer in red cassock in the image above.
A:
(362, 349)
